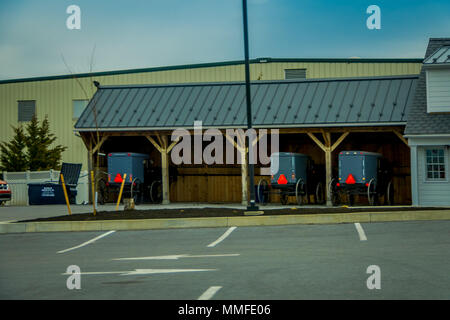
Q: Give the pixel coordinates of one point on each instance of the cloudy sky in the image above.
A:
(119, 34)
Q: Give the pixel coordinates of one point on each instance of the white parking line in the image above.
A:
(88, 242)
(139, 272)
(208, 294)
(222, 237)
(179, 256)
(362, 235)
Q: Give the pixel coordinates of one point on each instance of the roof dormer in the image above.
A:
(437, 67)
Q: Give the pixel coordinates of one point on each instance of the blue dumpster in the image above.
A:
(48, 193)
(53, 193)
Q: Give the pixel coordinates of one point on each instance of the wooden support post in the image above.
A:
(328, 169)
(328, 174)
(164, 149)
(165, 170)
(90, 168)
(328, 147)
(244, 177)
(240, 146)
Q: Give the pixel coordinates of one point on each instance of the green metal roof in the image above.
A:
(281, 103)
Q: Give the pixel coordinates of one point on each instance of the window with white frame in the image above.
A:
(435, 164)
(78, 107)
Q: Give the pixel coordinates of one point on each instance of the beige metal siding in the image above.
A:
(54, 97)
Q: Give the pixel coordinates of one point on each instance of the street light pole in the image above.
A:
(251, 168)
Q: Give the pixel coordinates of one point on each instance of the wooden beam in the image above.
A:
(161, 143)
(317, 141)
(341, 129)
(326, 138)
(157, 146)
(99, 144)
(241, 140)
(258, 138)
(173, 144)
(338, 141)
(401, 137)
(231, 140)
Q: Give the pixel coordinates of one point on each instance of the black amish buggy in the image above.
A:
(293, 174)
(362, 173)
(142, 180)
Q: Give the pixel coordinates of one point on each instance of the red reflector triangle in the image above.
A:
(282, 179)
(118, 178)
(350, 179)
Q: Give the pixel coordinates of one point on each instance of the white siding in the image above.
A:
(438, 90)
(432, 193)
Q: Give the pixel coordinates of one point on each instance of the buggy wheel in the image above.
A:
(320, 199)
(283, 198)
(136, 191)
(372, 192)
(300, 192)
(156, 191)
(351, 199)
(389, 197)
(333, 193)
(102, 191)
(263, 192)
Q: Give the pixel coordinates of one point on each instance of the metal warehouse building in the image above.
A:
(314, 116)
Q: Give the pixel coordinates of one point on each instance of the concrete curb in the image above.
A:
(241, 221)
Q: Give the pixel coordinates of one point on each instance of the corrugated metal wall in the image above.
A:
(54, 97)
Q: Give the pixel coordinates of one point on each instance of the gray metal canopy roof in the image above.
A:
(295, 103)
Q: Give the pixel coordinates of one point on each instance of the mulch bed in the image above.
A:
(211, 212)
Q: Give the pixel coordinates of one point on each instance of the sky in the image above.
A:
(117, 35)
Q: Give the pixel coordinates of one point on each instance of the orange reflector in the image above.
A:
(118, 178)
(282, 179)
(350, 179)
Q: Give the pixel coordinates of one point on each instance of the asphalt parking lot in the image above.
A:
(271, 262)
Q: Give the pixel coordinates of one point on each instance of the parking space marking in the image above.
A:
(361, 233)
(88, 242)
(208, 294)
(139, 272)
(179, 256)
(222, 237)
